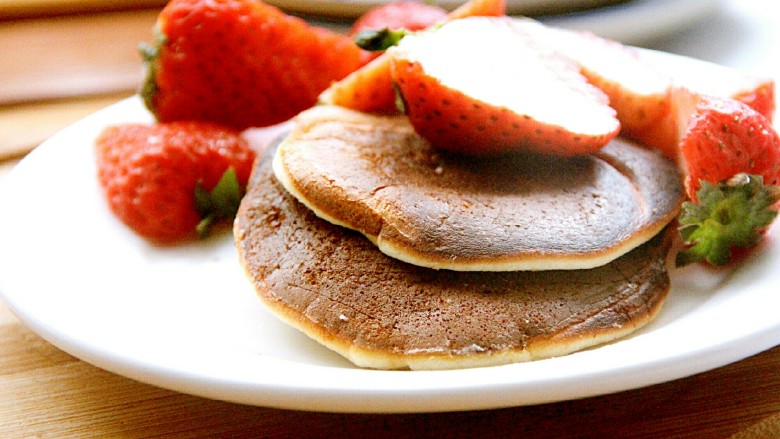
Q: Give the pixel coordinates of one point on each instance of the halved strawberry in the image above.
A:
(482, 86)
(370, 88)
(712, 79)
(702, 78)
(641, 84)
(241, 63)
(639, 93)
(731, 155)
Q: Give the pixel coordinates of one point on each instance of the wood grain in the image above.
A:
(81, 55)
(45, 392)
(24, 126)
(16, 9)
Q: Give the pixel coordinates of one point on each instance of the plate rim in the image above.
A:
(417, 391)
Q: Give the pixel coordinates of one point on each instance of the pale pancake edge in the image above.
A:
(335, 286)
(374, 174)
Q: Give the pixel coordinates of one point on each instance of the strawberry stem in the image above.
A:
(149, 54)
(377, 40)
(220, 203)
(731, 214)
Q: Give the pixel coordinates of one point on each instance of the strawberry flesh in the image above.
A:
(638, 92)
(482, 86)
(692, 76)
(370, 88)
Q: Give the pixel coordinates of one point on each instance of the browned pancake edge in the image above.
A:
(379, 312)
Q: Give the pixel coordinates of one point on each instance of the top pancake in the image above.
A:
(336, 287)
(374, 174)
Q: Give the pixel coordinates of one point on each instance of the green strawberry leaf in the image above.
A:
(220, 203)
(727, 215)
(377, 40)
(149, 54)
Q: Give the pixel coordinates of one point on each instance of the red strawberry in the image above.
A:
(725, 137)
(396, 15)
(640, 84)
(410, 16)
(370, 88)
(732, 156)
(479, 8)
(639, 93)
(482, 86)
(703, 78)
(168, 180)
(240, 63)
(706, 78)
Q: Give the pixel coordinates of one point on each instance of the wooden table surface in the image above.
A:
(45, 392)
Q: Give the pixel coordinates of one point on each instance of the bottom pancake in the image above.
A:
(335, 286)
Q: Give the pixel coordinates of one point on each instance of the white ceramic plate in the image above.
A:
(353, 8)
(632, 22)
(638, 21)
(186, 318)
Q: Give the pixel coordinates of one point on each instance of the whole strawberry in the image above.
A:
(169, 182)
(241, 63)
(732, 157)
(725, 137)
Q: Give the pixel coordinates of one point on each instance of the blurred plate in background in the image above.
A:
(637, 22)
(353, 8)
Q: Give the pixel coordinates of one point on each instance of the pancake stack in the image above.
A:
(400, 256)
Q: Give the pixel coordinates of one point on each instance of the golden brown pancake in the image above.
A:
(379, 312)
(374, 174)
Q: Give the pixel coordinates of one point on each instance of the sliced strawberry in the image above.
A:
(712, 79)
(639, 93)
(703, 78)
(370, 88)
(241, 63)
(481, 86)
(641, 84)
(479, 8)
